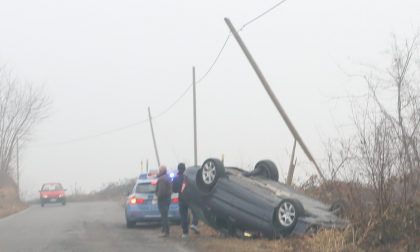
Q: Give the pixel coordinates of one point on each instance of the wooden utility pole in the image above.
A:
(195, 119)
(17, 168)
(292, 165)
(153, 136)
(272, 96)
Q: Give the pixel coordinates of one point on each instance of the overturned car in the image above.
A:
(234, 201)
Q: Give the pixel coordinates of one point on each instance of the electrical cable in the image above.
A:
(166, 110)
(102, 133)
(262, 14)
(173, 104)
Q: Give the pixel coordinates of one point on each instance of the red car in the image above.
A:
(52, 193)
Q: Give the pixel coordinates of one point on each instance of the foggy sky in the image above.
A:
(103, 63)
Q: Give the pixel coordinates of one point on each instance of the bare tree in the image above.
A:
(384, 151)
(339, 153)
(404, 117)
(21, 107)
(377, 169)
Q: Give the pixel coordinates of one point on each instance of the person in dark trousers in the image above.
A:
(183, 206)
(164, 193)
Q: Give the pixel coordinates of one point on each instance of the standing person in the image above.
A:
(183, 206)
(163, 193)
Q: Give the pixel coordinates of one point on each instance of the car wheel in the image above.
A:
(63, 203)
(209, 173)
(288, 213)
(42, 204)
(267, 169)
(338, 207)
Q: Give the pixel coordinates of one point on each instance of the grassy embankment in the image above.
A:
(9, 199)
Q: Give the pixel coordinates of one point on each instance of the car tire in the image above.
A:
(287, 215)
(207, 176)
(42, 204)
(268, 169)
(338, 207)
(63, 203)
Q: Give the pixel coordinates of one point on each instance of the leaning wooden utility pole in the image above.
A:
(272, 96)
(195, 119)
(292, 165)
(153, 136)
(17, 168)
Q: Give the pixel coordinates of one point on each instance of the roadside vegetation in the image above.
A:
(22, 106)
(116, 191)
(374, 174)
(377, 169)
(9, 200)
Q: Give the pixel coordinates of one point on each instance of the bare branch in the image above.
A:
(21, 108)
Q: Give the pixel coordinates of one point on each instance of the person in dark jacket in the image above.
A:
(183, 206)
(164, 193)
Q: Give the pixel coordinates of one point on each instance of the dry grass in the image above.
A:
(210, 241)
(323, 241)
(11, 209)
(113, 191)
(9, 202)
(396, 230)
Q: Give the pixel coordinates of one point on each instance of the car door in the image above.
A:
(235, 198)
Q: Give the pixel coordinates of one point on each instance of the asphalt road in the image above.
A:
(93, 226)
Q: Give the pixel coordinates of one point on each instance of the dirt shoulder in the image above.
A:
(327, 240)
(9, 201)
(209, 240)
(12, 209)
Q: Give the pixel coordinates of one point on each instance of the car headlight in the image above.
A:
(61, 195)
(44, 196)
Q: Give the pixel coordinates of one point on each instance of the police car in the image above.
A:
(141, 204)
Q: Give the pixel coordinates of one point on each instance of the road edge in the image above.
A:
(11, 216)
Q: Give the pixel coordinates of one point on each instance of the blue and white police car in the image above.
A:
(141, 204)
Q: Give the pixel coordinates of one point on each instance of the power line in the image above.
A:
(262, 14)
(198, 81)
(102, 133)
(173, 104)
(169, 108)
(215, 60)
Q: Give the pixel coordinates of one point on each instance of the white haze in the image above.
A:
(104, 62)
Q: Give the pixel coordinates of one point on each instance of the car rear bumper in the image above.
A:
(52, 200)
(154, 219)
(136, 215)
